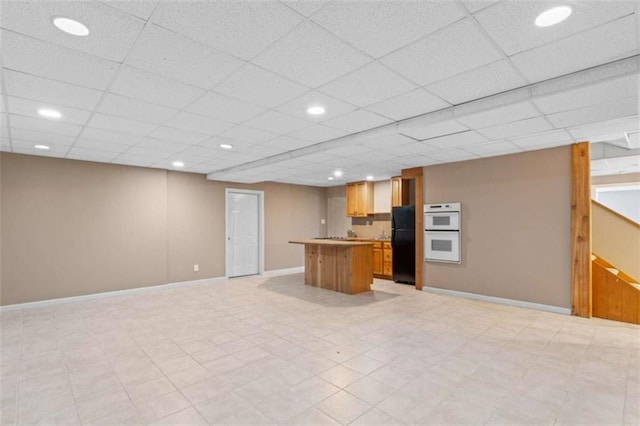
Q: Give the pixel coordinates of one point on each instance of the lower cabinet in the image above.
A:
(382, 266)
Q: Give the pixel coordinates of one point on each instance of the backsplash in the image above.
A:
(372, 226)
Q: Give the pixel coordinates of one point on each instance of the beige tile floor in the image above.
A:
(268, 350)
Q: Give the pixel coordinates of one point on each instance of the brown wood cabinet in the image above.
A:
(377, 258)
(359, 199)
(399, 192)
(382, 263)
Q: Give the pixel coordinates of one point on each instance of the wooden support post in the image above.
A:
(581, 279)
(415, 173)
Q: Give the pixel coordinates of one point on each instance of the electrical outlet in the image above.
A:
(322, 221)
(196, 268)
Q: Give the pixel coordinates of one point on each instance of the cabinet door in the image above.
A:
(387, 269)
(396, 191)
(352, 200)
(361, 199)
(377, 261)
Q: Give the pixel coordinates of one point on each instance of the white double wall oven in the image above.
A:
(442, 232)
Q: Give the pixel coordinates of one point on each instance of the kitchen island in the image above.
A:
(338, 265)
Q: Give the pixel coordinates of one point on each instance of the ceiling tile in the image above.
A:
(112, 32)
(435, 130)
(153, 154)
(320, 56)
(414, 148)
(357, 121)
(318, 133)
(369, 84)
(25, 54)
(305, 7)
(484, 81)
(177, 135)
(373, 26)
(242, 28)
(457, 48)
(600, 45)
(611, 110)
(333, 107)
(84, 154)
(501, 115)
(410, 104)
(554, 137)
(498, 147)
(511, 24)
(101, 145)
(286, 143)
(260, 87)
(173, 56)
(456, 140)
(224, 108)
(451, 155)
(29, 108)
(51, 91)
(133, 160)
(41, 137)
(27, 147)
(348, 150)
(589, 95)
(474, 6)
(160, 145)
(389, 142)
(615, 128)
(140, 8)
(108, 136)
(248, 134)
(276, 122)
(44, 125)
(198, 123)
(148, 87)
(516, 128)
(134, 109)
(120, 125)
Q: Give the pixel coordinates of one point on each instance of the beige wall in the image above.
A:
(515, 226)
(616, 239)
(72, 228)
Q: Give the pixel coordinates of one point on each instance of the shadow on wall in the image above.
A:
(293, 285)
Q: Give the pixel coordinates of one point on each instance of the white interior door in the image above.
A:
(244, 242)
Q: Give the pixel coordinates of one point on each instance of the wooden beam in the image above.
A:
(581, 278)
(415, 174)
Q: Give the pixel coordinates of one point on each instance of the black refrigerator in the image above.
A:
(403, 243)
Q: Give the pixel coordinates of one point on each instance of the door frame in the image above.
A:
(260, 194)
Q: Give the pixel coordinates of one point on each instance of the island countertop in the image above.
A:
(331, 242)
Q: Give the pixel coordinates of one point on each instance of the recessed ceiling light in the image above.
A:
(337, 173)
(71, 26)
(315, 110)
(178, 164)
(330, 178)
(45, 147)
(369, 177)
(225, 146)
(49, 113)
(553, 16)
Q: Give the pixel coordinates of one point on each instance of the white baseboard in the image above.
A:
(48, 302)
(296, 270)
(500, 300)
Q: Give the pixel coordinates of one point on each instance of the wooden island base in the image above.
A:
(344, 266)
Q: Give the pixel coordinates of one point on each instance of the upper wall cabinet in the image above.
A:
(359, 199)
(399, 192)
(382, 196)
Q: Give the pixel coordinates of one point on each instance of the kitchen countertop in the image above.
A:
(333, 242)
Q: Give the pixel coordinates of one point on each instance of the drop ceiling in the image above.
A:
(404, 84)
